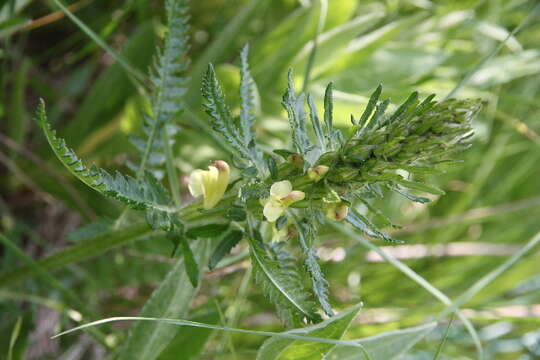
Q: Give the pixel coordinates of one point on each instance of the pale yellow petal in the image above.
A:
(272, 211)
(195, 184)
(210, 180)
(281, 189)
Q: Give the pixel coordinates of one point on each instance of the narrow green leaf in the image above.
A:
(407, 106)
(316, 123)
(86, 248)
(191, 266)
(420, 186)
(224, 247)
(443, 341)
(297, 116)
(190, 341)
(418, 279)
(171, 299)
(180, 322)
(92, 35)
(328, 114)
(207, 231)
(418, 199)
(361, 223)
(386, 346)
(13, 338)
(491, 276)
(289, 349)
(247, 100)
(236, 213)
(373, 99)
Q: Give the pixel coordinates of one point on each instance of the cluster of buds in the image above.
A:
(425, 138)
(421, 137)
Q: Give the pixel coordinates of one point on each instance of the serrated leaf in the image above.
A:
(282, 285)
(361, 223)
(169, 86)
(297, 117)
(224, 247)
(285, 349)
(318, 282)
(272, 166)
(222, 119)
(247, 101)
(146, 194)
(236, 213)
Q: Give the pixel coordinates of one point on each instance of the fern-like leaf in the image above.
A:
(297, 117)
(222, 119)
(318, 282)
(247, 105)
(146, 194)
(169, 86)
(281, 284)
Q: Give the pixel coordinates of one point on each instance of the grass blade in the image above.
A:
(416, 278)
(490, 277)
(180, 322)
(171, 299)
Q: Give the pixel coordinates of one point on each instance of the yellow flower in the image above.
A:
(337, 211)
(281, 196)
(211, 183)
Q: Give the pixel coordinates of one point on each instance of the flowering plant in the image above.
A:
(279, 198)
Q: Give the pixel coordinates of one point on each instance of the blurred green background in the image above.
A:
(491, 208)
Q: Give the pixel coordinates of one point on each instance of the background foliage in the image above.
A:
(489, 212)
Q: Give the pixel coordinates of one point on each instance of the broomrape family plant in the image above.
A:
(276, 201)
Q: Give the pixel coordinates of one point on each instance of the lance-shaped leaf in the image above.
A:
(386, 346)
(297, 117)
(289, 349)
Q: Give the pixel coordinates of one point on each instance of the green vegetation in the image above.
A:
(325, 179)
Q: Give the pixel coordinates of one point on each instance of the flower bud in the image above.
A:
(211, 183)
(296, 160)
(317, 173)
(337, 211)
(292, 197)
